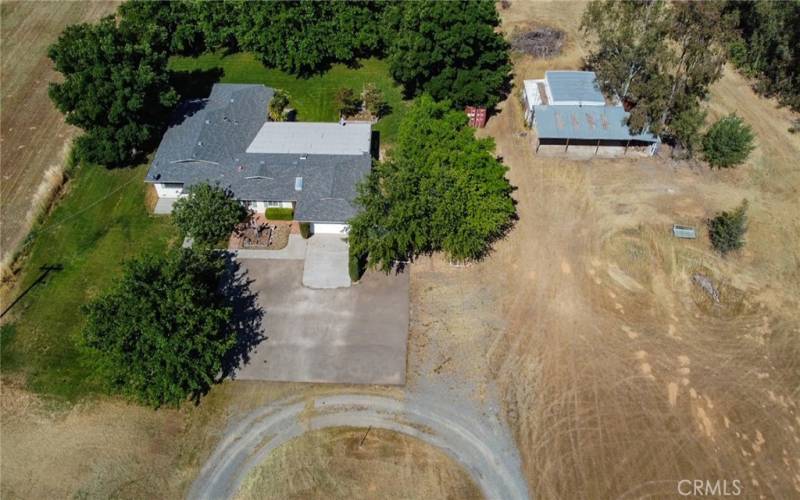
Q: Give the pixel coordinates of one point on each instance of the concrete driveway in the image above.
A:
(346, 335)
(326, 262)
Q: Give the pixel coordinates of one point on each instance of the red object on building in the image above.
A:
(477, 116)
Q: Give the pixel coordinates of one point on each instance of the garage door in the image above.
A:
(330, 228)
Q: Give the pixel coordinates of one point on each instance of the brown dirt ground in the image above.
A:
(618, 377)
(334, 463)
(33, 135)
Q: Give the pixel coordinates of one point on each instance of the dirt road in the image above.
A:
(470, 439)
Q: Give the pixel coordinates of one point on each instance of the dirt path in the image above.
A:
(469, 439)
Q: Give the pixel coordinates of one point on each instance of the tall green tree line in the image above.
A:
(768, 46)
(447, 49)
(116, 82)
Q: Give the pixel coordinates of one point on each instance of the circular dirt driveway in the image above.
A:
(478, 447)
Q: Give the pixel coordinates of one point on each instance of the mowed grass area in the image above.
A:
(101, 221)
(312, 97)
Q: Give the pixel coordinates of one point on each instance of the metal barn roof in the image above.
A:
(586, 122)
(574, 86)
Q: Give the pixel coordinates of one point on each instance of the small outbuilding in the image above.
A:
(590, 128)
(569, 111)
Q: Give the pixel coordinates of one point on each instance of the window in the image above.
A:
(274, 204)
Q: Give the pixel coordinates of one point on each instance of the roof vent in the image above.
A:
(298, 183)
(304, 156)
(208, 121)
(200, 143)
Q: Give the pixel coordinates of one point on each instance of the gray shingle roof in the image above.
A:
(207, 142)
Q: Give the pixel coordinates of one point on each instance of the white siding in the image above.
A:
(169, 190)
(261, 206)
(318, 228)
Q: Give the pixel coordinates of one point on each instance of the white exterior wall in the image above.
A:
(318, 228)
(168, 191)
(262, 206)
(531, 97)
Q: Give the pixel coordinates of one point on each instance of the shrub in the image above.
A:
(374, 100)
(208, 214)
(305, 230)
(726, 230)
(346, 102)
(728, 142)
(356, 266)
(162, 332)
(280, 213)
(278, 105)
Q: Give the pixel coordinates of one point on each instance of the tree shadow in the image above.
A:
(246, 320)
(375, 145)
(195, 84)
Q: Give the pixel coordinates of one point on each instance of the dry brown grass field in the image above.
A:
(619, 377)
(335, 463)
(34, 139)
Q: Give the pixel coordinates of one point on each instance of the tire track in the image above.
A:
(481, 447)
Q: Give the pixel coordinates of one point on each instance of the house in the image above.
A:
(568, 110)
(226, 140)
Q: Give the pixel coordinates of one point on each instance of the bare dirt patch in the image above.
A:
(33, 134)
(354, 463)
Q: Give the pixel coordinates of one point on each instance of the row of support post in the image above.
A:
(596, 149)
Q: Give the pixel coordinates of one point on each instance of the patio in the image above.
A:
(260, 233)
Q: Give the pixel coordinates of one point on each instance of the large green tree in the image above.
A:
(208, 214)
(451, 51)
(629, 42)
(116, 88)
(161, 333)
(440, 189)
(660, 58)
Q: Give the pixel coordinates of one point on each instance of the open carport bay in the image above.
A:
(347, 335)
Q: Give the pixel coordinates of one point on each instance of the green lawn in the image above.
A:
(313, 97)
(101, 222)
